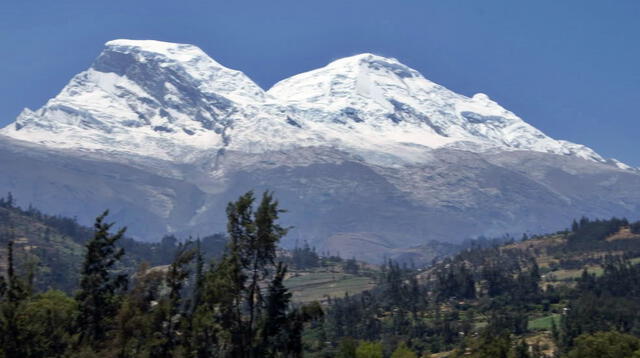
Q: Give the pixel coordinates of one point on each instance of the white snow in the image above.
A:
(206, 74)
(173, 102)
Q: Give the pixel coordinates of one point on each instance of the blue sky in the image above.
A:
(571, 68)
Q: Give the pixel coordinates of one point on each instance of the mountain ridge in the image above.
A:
(170, 100)
(363, 145)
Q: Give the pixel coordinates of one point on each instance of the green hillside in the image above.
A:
(574, 293)
(543, 296)
(51, 248)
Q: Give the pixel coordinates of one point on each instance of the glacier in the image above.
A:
(173, 101)
(368, 155)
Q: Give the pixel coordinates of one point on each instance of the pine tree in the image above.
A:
(253, 240)
(347, 348)
(16, 291)
(172, 305)
(99, 285)
(218, 322)
(190, 338)
(134, 320)
(198, 279)
(402, 351)
(229, 318)
(351, 266)
(274, 332)
(10, 201)
(369, 350)
(45, 324)
(15, 294)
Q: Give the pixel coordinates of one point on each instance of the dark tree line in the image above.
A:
(585, 233)
(226, 297)
(304, 257)
(235, 306)
(56, 265)
(500, 287)
(603, 303)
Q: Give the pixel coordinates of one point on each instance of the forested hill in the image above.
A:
(233, 306)
(560, 257)
(571, 294)
(50, 249)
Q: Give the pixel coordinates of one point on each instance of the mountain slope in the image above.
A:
(52, 248)
(167, 100)
(147, 97)
(166, 136)
(382, 101)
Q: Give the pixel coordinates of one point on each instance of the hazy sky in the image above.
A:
(570, 68)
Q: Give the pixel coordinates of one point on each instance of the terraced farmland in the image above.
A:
(318, 285)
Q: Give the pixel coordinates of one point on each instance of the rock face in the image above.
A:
(164, 136)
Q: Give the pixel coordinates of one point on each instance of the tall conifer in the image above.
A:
(99, 285)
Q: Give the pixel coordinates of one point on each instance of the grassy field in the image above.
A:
(543, 323)
(317, 285)
(564, 275)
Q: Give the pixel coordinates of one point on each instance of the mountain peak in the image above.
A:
(174, 51)
(364, 75)
(124, 57)
(148, 97)
(375, 62)
(148, 45)
(145, 60)
(151, 97)
(365, 57)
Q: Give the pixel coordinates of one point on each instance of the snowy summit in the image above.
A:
(173, 101)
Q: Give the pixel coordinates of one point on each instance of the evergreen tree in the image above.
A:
(134, 322)
(9, 202)
(218, 321)
(170, 310)
(15, 294)
(305, 257)
(98, 297)
(274, 332)
(402, 351)
(199, 278)
(253, 239)
(605, 345)
(369, 350)
(351, 266)
(16, 290)
(347, 348)
(45, 324)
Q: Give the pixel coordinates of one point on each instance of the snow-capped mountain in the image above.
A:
(145, 97)
(366, 153)
(384, 102)
(170, 101)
